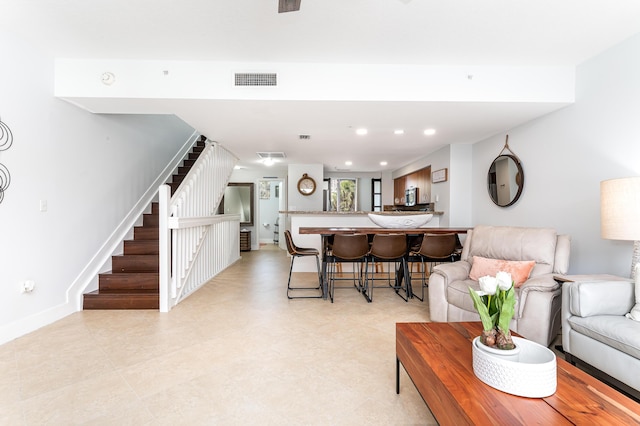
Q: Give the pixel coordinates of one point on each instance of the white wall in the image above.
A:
(91, 170)
(297, 201)
(565, 156)
(460, 177)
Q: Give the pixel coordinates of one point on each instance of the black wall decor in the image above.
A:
(6, 140)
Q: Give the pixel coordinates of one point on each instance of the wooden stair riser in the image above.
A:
(178, 178)
(141, 247)
(135, 263)
(142, 233)
(126, 282)
(95, 300)
(150, 220)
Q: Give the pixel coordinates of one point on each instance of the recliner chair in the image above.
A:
(538, 299)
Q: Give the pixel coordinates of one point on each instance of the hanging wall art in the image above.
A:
(6, 139)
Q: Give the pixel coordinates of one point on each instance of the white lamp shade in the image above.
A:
(620, 209)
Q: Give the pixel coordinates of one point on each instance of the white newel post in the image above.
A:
(165, 248)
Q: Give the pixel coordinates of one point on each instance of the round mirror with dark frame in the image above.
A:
(505, 179)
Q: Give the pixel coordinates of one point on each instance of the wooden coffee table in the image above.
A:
(437, 357)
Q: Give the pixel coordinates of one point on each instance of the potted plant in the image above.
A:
(495, 302)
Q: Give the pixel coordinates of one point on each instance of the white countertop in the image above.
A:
(358, 213)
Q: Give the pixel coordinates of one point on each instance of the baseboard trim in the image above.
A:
(34, 322)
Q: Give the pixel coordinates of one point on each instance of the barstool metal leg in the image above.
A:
(289, 288)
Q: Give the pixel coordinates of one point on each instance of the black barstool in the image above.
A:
(295, 252)
(435, 248)
(388, 248)
(347, 248)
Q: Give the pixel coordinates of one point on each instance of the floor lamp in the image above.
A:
(620, 213)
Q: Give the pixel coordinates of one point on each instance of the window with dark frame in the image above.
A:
(376, 195)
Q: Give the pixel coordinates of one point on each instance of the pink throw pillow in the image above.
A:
(519, 269)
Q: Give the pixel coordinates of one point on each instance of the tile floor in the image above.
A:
(237, 352)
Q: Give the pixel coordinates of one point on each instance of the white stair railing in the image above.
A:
(195, 243)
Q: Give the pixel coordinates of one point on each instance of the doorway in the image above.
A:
(271, 200)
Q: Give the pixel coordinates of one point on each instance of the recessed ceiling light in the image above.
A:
(268, 161)
(361, 131)
(430, 132)
(398, 132)
(348, 163)
(383, 163)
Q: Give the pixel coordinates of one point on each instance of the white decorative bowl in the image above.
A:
(400, 221)
(532, 375)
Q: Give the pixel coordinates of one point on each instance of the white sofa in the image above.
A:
(595, 330)
(538, 300)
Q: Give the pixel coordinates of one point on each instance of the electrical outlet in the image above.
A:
(43, 205)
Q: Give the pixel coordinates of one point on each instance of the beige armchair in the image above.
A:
(538, 299)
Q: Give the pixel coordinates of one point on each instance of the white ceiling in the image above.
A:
(501, 33)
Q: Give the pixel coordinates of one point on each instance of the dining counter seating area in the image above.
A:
(391, 249)
(369, 249)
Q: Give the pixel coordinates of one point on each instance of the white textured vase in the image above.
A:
(400, 221)
(532, 375)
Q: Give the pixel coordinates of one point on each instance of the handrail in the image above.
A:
(196, 244)
(189, 222)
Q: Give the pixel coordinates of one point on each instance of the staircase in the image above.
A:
(133, 282)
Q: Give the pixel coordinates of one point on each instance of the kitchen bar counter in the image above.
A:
(298, 220)
(326, 232)
(323, 230)
(359, 213)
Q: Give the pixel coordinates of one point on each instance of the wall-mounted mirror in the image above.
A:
(505, 180)
(238, 199)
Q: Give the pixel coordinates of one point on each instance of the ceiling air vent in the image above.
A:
(263, 155)
(254, 79)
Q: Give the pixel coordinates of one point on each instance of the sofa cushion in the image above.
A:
(616, 331)
(519, 269)
(515, 243)
(458, 295)
(601, 298)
